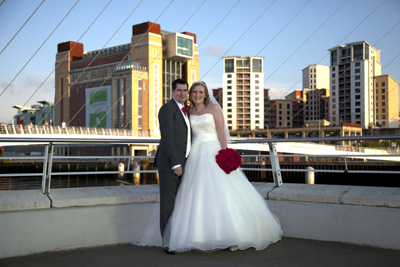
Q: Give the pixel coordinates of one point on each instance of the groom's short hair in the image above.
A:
(180, 81)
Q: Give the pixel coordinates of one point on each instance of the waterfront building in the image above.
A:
(315, 77)
(124, 86)
(243, 84)
(352, 95)
(283, 113)
(387, 101)
(38, 114)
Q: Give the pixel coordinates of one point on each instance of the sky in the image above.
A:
(289, 34)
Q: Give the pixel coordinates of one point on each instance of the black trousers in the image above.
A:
(169, 184)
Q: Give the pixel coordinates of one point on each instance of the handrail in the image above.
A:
(66, 139)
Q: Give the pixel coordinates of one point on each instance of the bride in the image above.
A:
(213, 210)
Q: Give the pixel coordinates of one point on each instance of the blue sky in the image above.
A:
(318, 26)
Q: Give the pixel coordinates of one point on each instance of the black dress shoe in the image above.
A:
(169, 252)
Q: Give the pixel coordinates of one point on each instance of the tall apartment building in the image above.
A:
(243, 85)
(316, 83)
(316, 77)
(316, 104)
(387, 101)
(352, 96)
(125, 85)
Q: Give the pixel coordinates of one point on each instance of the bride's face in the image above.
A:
(198, 95)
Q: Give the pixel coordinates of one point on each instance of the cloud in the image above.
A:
(276, 93)
(213, 50)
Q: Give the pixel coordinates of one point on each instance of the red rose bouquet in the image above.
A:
(228, 160)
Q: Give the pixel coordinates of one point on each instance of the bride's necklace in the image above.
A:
(198, 111)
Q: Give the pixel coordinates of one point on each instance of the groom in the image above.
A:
(174, 148)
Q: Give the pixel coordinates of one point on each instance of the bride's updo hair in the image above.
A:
(207, 99)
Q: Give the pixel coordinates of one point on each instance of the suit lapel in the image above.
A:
(179, 111)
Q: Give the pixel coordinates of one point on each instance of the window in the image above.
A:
(229, 81)
(357, 64)
(383, 84)
(257, 81)
(280, 123)
(288, 112)
(383, 91)
(383, 104)
(257, 110)
(333, 87)
(357, 83)
(257, 76)
(229, 98)
(257, 87)
(383, 117)
(288, 118)
(229, 104)
(229, 87)
(229, 122)
(377, 91)
(358, 110)
(257, 105)
(377, 84)
(333, 75)
(333, 93)
(185, 46)
(357, 70)
(383, 123)
(257, 93)
(280, 117)
(280, 105)
(377, 110)
(333, 69)
(310, 75)
(257, 65)
(383, 110)
(229, 65)
(334, 106)
(229, 116)
(257, 99)
(357, 96)
(280, 112)
(333, 100)
(357, 77)
(229, 76)
(229, 110)
(229, 93)
(257, 116)
(383, 97)
(288, 106)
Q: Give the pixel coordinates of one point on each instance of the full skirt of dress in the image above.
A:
(213, 210)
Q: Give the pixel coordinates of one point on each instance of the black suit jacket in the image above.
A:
(172, 148)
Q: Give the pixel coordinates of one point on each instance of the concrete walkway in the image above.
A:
(288, 252)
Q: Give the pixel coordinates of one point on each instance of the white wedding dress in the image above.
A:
(213, 210)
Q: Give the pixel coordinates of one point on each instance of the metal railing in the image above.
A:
(273, 155)
(71, 130)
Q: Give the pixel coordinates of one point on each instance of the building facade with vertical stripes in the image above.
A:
(123, 87)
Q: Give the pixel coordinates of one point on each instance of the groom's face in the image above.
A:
(180, 93)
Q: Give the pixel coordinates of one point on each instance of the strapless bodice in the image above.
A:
(203, 128)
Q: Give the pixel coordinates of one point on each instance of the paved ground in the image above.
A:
(288, 252)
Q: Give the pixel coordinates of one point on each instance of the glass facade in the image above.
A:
(358, 52)
(140, 85)
(172, 70)
(334, 58)
(229, 65)
(257, 65)
(185, 47)
(116, 105)
(128, 104)
(122, 104)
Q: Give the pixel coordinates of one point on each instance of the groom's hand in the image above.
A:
(178, 171)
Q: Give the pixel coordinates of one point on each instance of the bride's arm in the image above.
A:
(220, 125)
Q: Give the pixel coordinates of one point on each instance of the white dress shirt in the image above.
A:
(188, 142)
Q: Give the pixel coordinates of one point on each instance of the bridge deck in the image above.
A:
(288, 252)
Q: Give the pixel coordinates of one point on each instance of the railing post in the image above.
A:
(48, 161)
(44, 176)
(276, 169)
